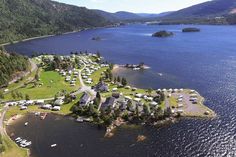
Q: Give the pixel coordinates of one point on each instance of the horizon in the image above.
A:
(154, 6)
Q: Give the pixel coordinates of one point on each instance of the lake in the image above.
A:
(204, 61)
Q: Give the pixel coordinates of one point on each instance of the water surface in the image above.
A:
(205, 61)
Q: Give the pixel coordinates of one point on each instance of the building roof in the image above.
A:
(109, 102)
(85, 98)
(101, 86)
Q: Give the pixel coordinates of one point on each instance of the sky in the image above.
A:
(136, 6)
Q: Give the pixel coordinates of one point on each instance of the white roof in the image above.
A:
(153, 103)
(137, 99)
(128, 97)
(139, 95)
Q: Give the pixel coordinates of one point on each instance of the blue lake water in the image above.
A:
(205, 61)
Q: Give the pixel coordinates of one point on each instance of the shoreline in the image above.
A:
(52, 35)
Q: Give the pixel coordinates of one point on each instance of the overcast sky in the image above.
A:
(137, 6)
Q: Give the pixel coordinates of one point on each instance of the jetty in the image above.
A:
(43, 116)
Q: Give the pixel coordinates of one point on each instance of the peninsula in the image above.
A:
(82, 85)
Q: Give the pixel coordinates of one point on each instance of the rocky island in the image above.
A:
(162, 34)
(186, 30)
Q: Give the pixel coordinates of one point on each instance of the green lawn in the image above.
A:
(173, 101)
(65, 109)
(11, 149)
(52, 84)
(21, 82)
(97, 75)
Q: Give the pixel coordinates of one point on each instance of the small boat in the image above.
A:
(79, 119)
(23, 142)
(18, 138)
(53, 145)
(26, 123)
(37, 113)
(26, 144)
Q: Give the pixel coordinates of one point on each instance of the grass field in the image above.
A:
(96, 75)
(11, 149)
(65, 109)
(173, 101)
(21, 82)
(52, 83)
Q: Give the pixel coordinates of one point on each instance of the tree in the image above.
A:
(118, 79)
(146, 109)
(111, 66)
(124, 81)
(68, 98)
(1, 95)
(2, 48)
(27, 97)
(98, 95)
(98, 54)
(149, 91)
(91, 109)
(36, 77)
(13, 95)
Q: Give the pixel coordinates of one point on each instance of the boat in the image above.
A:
(37, 113)
(79, 119)
(26, 123)
(18, 138)
(26, 144)
(23, 142)
(53, 145)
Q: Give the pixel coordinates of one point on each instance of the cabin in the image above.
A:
(29, 102)
(56, 108)
(84, 100)
(101, 87)
(47, 107)
(39, 102)
(116, 95)
(108, 103)
(23, 107)
(58, 102)
(138, 95)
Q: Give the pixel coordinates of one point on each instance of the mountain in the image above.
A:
(147, 15)
(121, 16)
(218, 10)
(29, 18)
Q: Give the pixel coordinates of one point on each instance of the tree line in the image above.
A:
(10, 64)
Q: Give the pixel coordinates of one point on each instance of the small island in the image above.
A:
(162, 34)
(186, 30)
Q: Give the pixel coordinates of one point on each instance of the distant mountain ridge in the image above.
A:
(216, 9)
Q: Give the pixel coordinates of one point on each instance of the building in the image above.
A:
(56, 108)
(58, 102)
(101, 87)
(108, 103)
(84, 100)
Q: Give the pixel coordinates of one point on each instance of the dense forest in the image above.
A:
(21, 19)
(10, 64)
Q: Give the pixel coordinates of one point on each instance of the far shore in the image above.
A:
(51, 35)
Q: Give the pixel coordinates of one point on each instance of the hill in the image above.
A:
(119, 16)
(10, 64)
(216, 11)
(29, 18)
